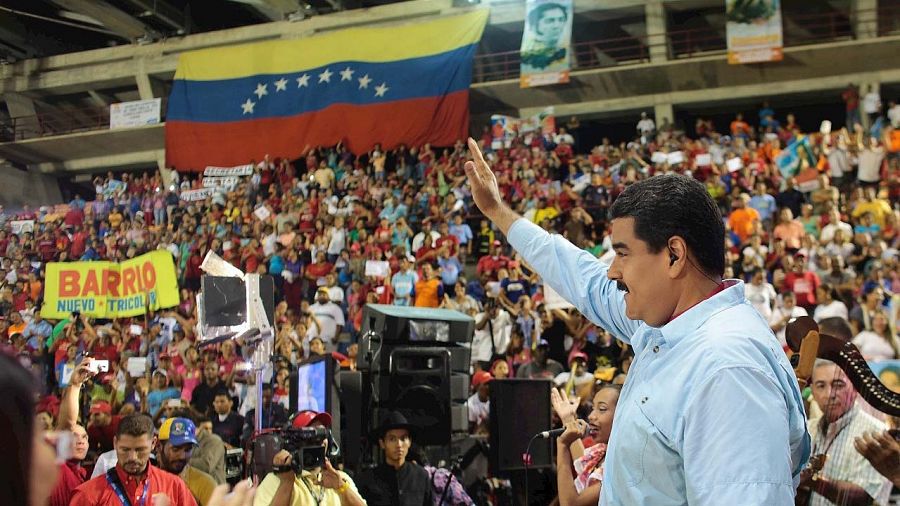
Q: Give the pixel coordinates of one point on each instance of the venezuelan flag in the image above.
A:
(406, 84)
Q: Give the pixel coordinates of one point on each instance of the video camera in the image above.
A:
(306, 446)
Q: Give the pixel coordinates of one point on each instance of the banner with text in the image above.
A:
(134, 114)
(110, 290)
(546, 43)
(240, 170)
(753, 30)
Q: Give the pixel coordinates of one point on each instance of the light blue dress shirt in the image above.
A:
(711, 413)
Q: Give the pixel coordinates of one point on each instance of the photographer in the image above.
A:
(322, 486)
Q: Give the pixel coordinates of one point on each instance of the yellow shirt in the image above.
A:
(303, 491)
(879, 209)
(547, 213)
(199, 483)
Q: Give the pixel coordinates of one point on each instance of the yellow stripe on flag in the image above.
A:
(368, 44)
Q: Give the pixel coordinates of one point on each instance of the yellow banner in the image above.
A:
(110, 290)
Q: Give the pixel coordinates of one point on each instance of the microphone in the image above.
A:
(547, 434)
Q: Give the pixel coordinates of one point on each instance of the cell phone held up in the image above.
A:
(98, 366)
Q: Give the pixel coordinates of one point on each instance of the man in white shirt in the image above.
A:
(781, 315)
(760, 293)
(420, 238)
(479, 404)
(834, 224)
(645, 127)
(872, 104)
(564, 137)
(493, 328)
(330, 316)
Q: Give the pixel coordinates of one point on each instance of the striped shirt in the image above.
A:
(844, 463)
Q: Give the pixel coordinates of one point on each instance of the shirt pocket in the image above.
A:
(632, 444)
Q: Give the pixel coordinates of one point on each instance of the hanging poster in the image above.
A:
(753, 30)
(546, 43)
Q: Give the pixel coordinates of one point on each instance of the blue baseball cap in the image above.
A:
(178, 431)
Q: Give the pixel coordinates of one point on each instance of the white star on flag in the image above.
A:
(325, 77)
(347, 74)
(381, 89)
(248, 106)
(281, 84)
(261, 90)
(364, 81)
(303, 81)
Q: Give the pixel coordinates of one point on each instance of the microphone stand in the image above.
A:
(526, 458)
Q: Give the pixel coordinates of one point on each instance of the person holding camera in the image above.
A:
(321, 486)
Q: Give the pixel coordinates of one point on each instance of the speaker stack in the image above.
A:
(414, 361)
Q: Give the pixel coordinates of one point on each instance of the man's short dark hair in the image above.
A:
(837, 327)
(538, 12)
(135, 425)
(668, 205)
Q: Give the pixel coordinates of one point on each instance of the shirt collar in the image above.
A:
(839, 424)
(729, 293)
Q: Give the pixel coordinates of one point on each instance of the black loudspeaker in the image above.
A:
(352, 436)
(419, 387)
(394, 326)
(520, 408)
(225, 300)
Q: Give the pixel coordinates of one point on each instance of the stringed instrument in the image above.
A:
(807, 344)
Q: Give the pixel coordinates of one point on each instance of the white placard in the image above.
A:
(734, 164)
(21, 226)
(134, 114)
(553, 300)
(240, 170)
(195, 195)
(262, 213)
(136, 366)
(378, 268)
(825, 127)
(675, 157)
(658, 157)
(135, 330)
(704, 160)
(221, 181)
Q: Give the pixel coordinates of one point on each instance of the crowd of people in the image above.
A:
(819, 238)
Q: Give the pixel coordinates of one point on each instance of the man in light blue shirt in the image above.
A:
(711, 412)
(404, 282)
(763, 202)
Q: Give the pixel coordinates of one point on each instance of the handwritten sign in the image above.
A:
(134, 114)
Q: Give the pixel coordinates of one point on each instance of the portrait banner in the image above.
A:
(546, 51)
(109, 289)
(753, 30)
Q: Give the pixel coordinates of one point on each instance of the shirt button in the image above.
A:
(644, 400)
(656, 349)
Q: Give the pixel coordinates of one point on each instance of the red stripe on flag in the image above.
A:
(191, 146)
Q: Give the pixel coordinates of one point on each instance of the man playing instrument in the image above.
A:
(711, 412)
(847, 478)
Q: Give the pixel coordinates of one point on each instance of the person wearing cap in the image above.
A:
(329, 315)
(160, 392)
(541, 365)
(403, 282)
(493, 328)
(577, 379)
(479, 404)
(396, 481)
(177, 440)
(322, 486)
(706, 366)
(492, 262)
(134, 480)
(102, 426)
(803, 282)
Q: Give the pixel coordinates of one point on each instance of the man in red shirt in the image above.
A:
(803, 283)
(102, 427)
(492, 262)
(134, 480)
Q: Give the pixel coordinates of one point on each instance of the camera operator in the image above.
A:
(396, 481)
(321, 486)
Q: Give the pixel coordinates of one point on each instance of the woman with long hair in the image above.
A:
(881, 342)
(29, 470)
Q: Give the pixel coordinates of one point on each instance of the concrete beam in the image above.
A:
(115, 67)
(163, 11)
(23, 112)
(274, 10)
(112, 17)
(760, 90)
(148, 158)
(655, 13)
(864, 18)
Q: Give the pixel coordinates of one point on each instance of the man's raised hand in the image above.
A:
(485, 190)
